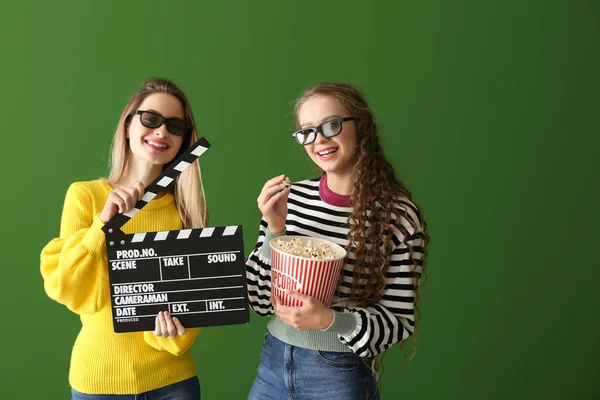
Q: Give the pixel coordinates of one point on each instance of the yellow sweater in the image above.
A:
(75, 272)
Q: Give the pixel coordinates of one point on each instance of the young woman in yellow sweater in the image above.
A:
(156, 125)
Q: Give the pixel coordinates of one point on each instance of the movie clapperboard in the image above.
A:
(197, 275)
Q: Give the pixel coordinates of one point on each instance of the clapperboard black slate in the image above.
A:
(197, 275)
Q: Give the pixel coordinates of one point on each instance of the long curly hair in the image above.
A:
(374, 215)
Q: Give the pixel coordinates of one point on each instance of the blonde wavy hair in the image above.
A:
(187, 189)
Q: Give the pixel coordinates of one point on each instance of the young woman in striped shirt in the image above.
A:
(315, 352)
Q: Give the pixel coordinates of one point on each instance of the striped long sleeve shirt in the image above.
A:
(314, 210)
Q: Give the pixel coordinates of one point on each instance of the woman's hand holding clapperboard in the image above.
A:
(121, 200)
(167, 326)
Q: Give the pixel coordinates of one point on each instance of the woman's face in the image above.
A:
(156, 145)
(333, 155)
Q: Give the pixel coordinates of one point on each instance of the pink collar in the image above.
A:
(331, 197)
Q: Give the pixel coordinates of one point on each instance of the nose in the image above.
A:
(161, 131)
(320, 138)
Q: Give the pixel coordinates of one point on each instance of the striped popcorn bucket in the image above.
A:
(312, 277)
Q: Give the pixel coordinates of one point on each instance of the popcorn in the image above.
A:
(287, 182)
(308, 249)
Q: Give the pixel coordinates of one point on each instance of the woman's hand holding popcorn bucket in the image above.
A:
(304, 276)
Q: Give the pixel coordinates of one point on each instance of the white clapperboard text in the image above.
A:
(197, 275)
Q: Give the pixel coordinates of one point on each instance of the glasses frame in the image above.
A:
(319, 129)
(163, 120)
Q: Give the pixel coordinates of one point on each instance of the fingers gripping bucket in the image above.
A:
(313, 277)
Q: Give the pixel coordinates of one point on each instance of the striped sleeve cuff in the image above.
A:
(265, 250)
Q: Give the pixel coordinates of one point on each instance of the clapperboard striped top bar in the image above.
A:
(183, 234)
(159, 184)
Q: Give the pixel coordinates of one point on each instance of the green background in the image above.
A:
(488, 109)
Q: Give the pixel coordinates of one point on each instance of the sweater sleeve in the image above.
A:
(73, 265)
(372, 330)
(258, 273)
(177, 345)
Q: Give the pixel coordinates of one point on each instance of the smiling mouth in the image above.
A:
(157, 145)
(327, 152)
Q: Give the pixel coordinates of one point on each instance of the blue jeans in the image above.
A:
(188, 389)
(289, 372)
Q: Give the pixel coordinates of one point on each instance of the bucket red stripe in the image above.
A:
(313, 278)
(304, 278)
(282, 269)
(293, 269)
(332, 281)
(327, 277)
(277, 267)
(294, 273)
(301, 270)
(275, 257)
(305, 268)
(325, 294)
(289, 269)
(324, 283)
(320, 274)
